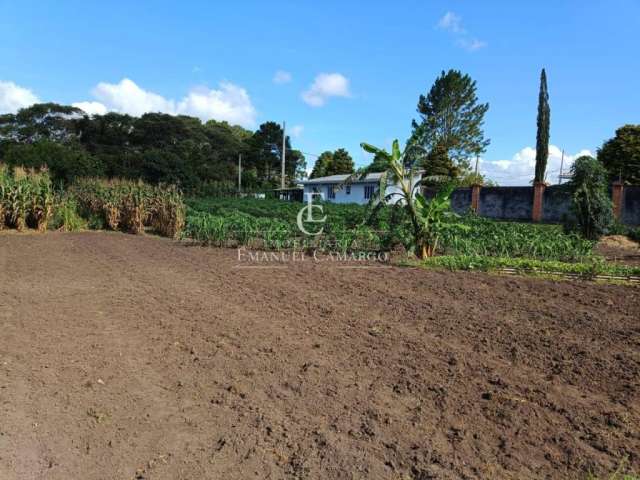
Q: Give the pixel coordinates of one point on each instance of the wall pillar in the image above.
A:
(475, 197)
(538, 194)
(617, 192)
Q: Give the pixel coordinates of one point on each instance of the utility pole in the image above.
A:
(561, 165)
(239, 173)
(284, 150)
(477, 157)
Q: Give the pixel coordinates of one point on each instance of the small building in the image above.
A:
(333, 189)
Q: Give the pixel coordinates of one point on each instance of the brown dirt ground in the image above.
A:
(619, 249)
(127, 357)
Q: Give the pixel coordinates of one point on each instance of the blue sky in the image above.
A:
(349, 71)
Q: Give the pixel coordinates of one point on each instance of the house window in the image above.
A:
(348, 189)
(369, 190)
(331, 192)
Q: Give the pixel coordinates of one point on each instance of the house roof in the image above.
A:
(371, 177)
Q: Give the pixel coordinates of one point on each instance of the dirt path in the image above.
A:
(127, 357)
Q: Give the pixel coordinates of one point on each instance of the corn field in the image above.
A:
(26, 199)
(130, 206)
(272, 224)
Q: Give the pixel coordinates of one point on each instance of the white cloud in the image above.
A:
(452, 23)
(14, 97)
(296, 130)
(127, 97)
(281, 77)
(229, 102)
(520, 169)
(92, 108)
(324, 86)
(471, 45)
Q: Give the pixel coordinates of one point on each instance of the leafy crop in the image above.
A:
(272, 224)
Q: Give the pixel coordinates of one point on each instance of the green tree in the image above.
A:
(322, 165)
(620, 155)
(378, 164)
(341, 163)
(429, 219)
(65, 162)
(542, 136)
(265, 153)
(42, 121)
(591, 205)
(449, 129)
(333, 163)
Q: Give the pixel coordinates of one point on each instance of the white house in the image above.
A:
(359, 191)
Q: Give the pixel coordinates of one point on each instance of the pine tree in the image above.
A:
(542, 137)
(450, 125)
(342, 162)
(322, 165)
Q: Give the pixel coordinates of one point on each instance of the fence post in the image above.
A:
(617, 191)
(475, 197)
(538, 194)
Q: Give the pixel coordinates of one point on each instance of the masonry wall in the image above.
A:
(630, 214)
(516, 203)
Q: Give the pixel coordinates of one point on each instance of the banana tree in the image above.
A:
(428, 217)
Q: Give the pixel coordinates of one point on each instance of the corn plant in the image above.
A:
(131, 206)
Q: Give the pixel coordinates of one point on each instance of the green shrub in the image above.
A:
(591, 205)
(66, 217)
(587, 269)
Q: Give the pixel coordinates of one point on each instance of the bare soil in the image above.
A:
(619, 249)
(134, 357)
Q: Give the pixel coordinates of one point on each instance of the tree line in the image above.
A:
(448, 135)
(155, 147)
(160, 148)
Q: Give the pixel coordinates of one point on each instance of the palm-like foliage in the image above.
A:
(428, 217)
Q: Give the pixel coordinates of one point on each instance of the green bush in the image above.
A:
(587, 269)
(591, 206)
(66, 216)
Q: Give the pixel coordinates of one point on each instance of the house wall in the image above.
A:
(341, 196)
(357, 191)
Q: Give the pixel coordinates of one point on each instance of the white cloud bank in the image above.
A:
(281, 77)
(324, 86)
(92, 108)
(229, 102)
(14, 97)
(452, 23)
(520, 169)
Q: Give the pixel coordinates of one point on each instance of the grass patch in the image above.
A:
(592, 268)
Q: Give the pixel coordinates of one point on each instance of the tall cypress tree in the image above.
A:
(542, 137)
